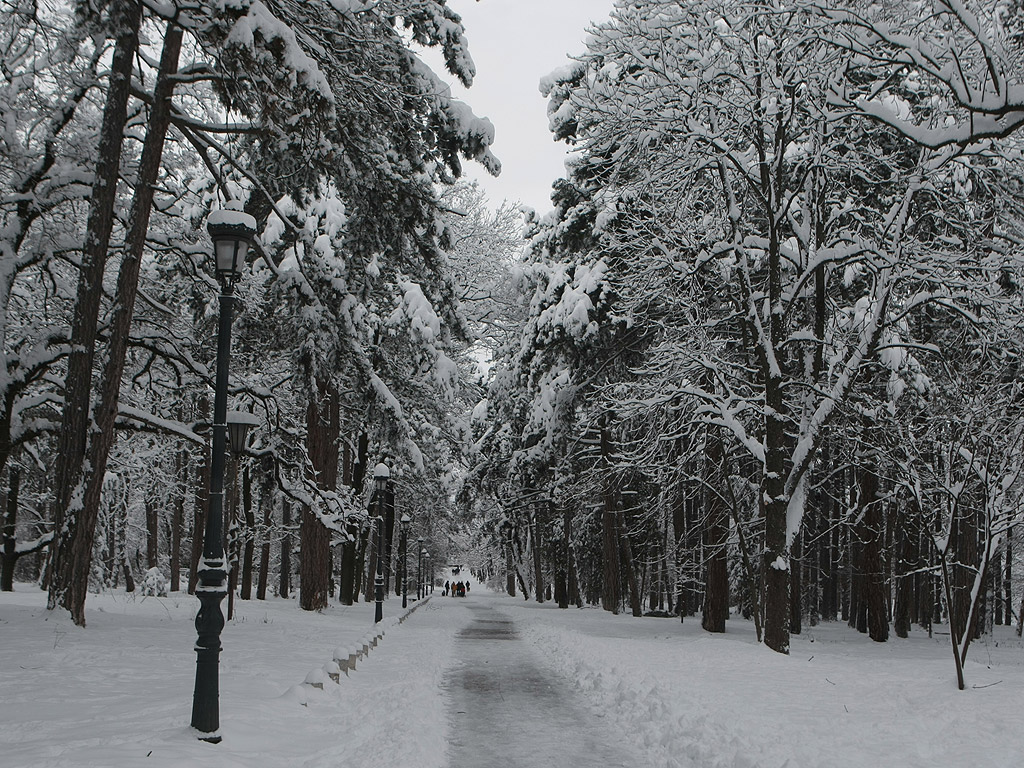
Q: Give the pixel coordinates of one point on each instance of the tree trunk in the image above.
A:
(351, 566)
(904, 586)
(102, 438)
(716, 532)
(267, 503)
(313, 565)
(322, 430)
(122, 549)
(1008, 582)
(538, 570)
(152, 534)
(369, 564)
(10, 542)
(875, 595)
(389, 537)
(247, 535)
(628, 564)
(611, 591)
(964, 548)
(286, 549)
(796, 560)
(178, 514)
(233, 533)
(510, 575)
(71, 554)
(362, 552)
(679, 536)
(776, 563)
(202, 499)
(562, 578)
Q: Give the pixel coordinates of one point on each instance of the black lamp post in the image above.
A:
(428, 575)
(232, 232)
(381, 473)
(404, 546)
(419, 567)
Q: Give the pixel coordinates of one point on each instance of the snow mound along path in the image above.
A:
(664, 726)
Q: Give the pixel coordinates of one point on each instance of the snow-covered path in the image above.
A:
(506, 709)
(564, 688)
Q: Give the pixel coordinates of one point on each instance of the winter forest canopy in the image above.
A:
(763, 355)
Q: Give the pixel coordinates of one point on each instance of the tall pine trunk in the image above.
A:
(285, 580)
(71, 553)
(875, 594)
(248, 535)
(202, 500)
(267, 504)
(716, 532)
(611, 589)
(322, 430)
(10, 543)
(178, 513)
(536, 550)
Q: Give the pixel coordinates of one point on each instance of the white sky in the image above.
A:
(515, 43)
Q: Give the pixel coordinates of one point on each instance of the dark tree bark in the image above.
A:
(904, 585)
(964, 548)
(611, 592)
(129, 580)
(716, 532)
(72, 550)
(510, 575)
(248, 534)
(630, 567)
(566, 590)
(322, 430)
(232, 534)
(389, 535)
(362, 553)
(1008, 582)
(267, 503)
(9, 552)
(286, 549)
(202, 501)
(10, 543)
(152, 534)
(776, 567)
(536, 550)
(997, 587)
(796, 560)
(351, 565)
(178, 514)
(679, 534)
(875, 598)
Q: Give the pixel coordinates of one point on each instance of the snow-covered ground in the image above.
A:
(118, 694)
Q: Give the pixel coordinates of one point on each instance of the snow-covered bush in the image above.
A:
(154, 584)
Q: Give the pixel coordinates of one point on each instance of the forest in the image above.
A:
(761, 358)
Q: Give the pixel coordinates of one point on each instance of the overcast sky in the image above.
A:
(515, 43)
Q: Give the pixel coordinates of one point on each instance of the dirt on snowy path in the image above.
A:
(507, 709)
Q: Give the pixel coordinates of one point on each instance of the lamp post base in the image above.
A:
(209, 623)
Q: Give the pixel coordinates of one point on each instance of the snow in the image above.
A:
(261, 21)
(232, 218)
(118, 694)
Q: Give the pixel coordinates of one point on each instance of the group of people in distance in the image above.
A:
(456, 589)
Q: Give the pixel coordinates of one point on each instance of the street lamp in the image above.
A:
(404, 546)
(232, 232)
(419, 567)
(239, 423)
(381, 473)
(428, 574)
